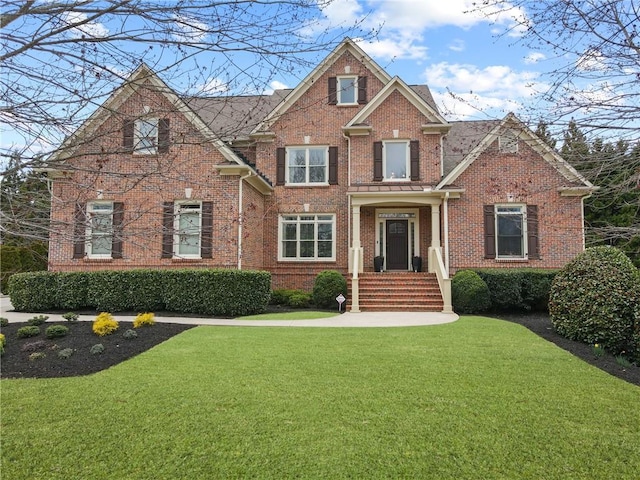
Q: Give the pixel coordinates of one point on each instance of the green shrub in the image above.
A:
(469, 293)
(518, 289)
(27, 332)
(300, 300)
(130, 334)
(4, 322)
(596, 299)
(327, 286)
(65, 353)
(33, 291)
(104, 324)
(38, 320)
(56, 331)
(71, 316)
(97, 349)
(3, 342)
(283, 296)
(72, 290)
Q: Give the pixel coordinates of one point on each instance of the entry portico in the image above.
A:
(399, 223)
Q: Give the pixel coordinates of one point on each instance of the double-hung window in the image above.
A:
(511, 231)
(99, 231)
(307, 165)
(348, 90)
(307, 237)
(187, 228)
(146, 136)
(395, 160)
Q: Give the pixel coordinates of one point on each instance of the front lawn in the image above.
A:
(477, 399)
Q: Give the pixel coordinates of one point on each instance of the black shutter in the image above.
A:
(206, 237)
(489, 232)
(333, 165)
(127, 134)
(362, 90)
(118, 220)
(79, 229)
(532, 232)
(333, 91)
(280, 166)
(163, 135)
(414, 156)
(377, 161)
(167, 229)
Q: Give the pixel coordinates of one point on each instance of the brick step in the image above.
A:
(399, 291)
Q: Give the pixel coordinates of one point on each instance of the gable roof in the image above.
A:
(347, 45)
(398, 85)
(475, 144)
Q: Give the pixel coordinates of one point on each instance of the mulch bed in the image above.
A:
(15, 362)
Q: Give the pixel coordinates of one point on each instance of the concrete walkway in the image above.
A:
(363, 319)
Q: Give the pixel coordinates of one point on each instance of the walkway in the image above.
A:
(363, 319)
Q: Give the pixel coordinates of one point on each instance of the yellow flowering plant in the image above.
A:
(144, 320)
(104, 324)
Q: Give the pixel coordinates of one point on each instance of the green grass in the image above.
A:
(475, 399)
(297, 315)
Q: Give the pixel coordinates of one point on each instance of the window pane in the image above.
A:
(289, 249)
(325, 231)
(347, 90)
(290, 231)
(510, 225)
(317, 156)
(317, 174)
(510, 237)
(101, 245)
(325, 249)
(189, 245)
(297, 157)
(307, 231)
(510, 246)
(306, 249)
(297, 175)
(189, 223)
(396, 160)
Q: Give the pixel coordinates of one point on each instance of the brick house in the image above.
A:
(350, 165)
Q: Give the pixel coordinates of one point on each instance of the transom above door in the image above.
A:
(397, 237)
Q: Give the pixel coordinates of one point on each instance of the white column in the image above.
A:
(355, 263)
(435, 226)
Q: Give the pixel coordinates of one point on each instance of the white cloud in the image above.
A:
(388, 49)
(534, 57)
(457, 45)
(80, 28)
(212, 86)
(494, 90)
(189, 29)
(592, 60)
(273, 86)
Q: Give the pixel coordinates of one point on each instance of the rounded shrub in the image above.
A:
(3, 342)
(300, 300)
(595, 298)
(56, 331)
(97, 349)
(144, 320)
(65, 353)
(328, 285)
(130, 334)
(28, 331)
(4, 322)
(469, 293)
(38, 320)
(71, 316)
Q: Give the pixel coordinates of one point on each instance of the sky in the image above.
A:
(475, 66)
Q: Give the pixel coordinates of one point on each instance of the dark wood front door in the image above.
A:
(397, 243)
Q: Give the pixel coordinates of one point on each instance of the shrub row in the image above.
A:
(199, 291)
(507, 290)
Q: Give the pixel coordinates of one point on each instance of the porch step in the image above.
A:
(398, 291)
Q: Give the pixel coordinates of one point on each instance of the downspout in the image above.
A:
(445, 214)
(584, 238)
(240, 219)
(348, 139)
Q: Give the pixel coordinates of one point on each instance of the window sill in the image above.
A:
(512, 260)
(309, 260)
(185, 260)
(306, 185)
(98, 259)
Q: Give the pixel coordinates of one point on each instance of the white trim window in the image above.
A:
(307, 237)
(395, 160)
(511, 231)
(307, 165)
(347, 90)
(187, 228)
(146, 136)
(99, 232)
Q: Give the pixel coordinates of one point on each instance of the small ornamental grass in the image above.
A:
(104, 324)
(70, 317)
(65, 353)
(97, 349)
(130, 334)
(35, 356)
(144, 320)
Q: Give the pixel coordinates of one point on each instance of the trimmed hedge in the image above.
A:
(199, 291)
(518, 289)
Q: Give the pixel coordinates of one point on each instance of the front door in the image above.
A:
(397, 245)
